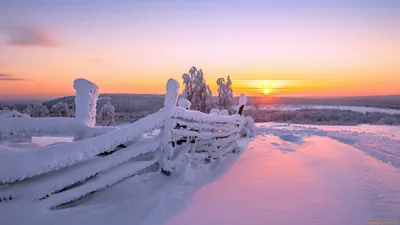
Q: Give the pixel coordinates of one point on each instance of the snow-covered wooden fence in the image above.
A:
(63, 173)
(85, 101)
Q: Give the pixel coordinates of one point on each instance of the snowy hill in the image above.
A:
(121, 102)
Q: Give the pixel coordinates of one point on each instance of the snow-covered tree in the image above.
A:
(188, 80)
(107, 114)
(61, 109)
(27, 110)
(225, 93)
(39, 110)
(3, 107)
(197, 91)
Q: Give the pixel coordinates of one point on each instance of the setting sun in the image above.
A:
(266, 91)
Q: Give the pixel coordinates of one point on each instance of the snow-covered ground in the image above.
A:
(288, 174)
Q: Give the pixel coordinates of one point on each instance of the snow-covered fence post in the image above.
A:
(242, 103)
(86, 101)
(166, 148)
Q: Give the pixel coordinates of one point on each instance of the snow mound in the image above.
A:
(215, 111)
(184, 103)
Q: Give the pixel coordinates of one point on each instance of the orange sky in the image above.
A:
(339, 48)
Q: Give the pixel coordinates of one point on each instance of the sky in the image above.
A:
(283, 48)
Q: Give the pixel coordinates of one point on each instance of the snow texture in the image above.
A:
(171, 97)
(105, 180)
(242, 100)
(215, 111)
(201, 117)
(107, 114)
(53, 182)
(224, 112)
(86, 101)
(61, 109)
(27, 127)
(184, 103)
(250, 125)
(12, 114)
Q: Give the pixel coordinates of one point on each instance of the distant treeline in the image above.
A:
(323, 117)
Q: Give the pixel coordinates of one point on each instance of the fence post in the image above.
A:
(167, 151)
(242, 104)
(85, 101)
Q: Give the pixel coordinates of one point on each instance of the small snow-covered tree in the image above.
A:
(39, 110)
(107, 114)
(197, 91)
(188, 80)
(61, 109)
(225, 93)
(3, 107)
(27, 110)
(201, 92)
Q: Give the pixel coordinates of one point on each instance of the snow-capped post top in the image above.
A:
(242, 103)
(86, 101)
(242, 100)
(83, 84)
(171, 97)
(184, 103)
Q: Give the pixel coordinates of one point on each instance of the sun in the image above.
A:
(266, 91)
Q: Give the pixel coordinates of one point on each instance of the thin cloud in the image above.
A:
(32, 36)
(9, 77)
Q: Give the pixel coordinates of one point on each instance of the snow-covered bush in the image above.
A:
(61, 109)
(215, 111)
(184, 103)
(39, 110)
(224, 112)
(250, 125)
(225, 93)
(107, 114)
(197, 91)
(27, 110)
(3, 107)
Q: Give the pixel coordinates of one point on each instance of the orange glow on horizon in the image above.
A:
(288, 88)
